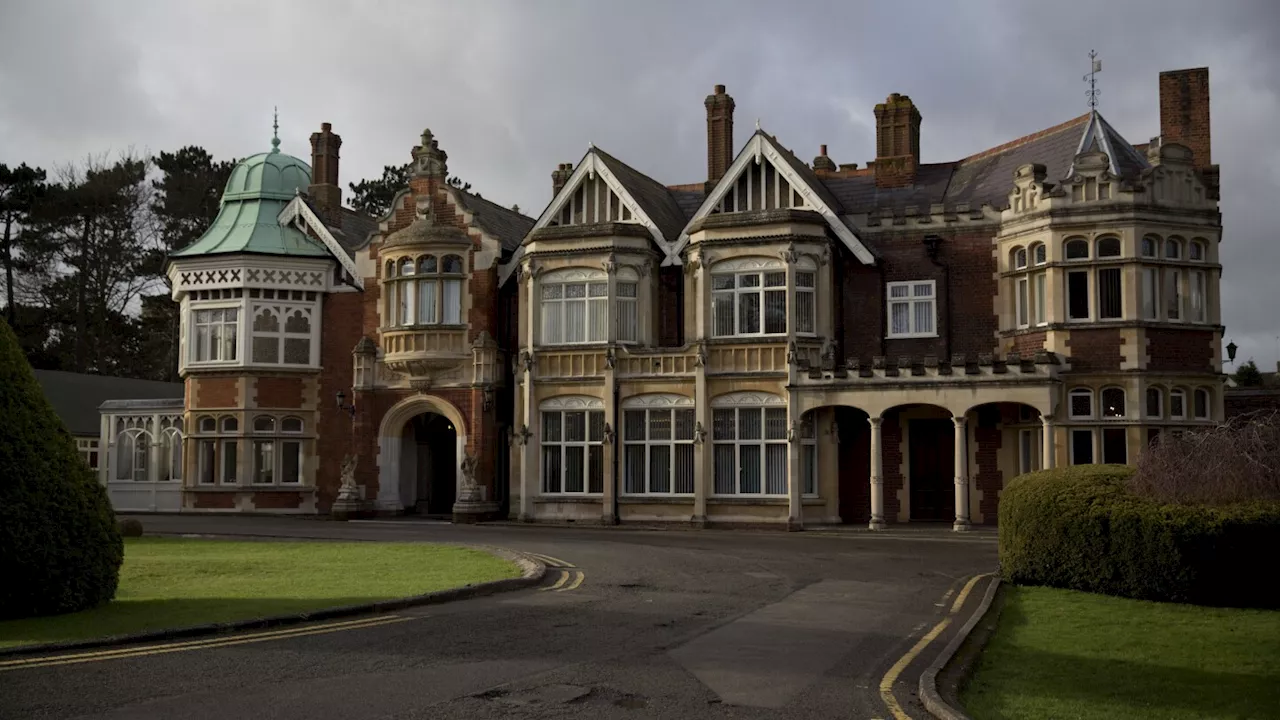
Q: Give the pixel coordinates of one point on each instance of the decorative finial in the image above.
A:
(275, 130)
(1093, 92)
(757, 123)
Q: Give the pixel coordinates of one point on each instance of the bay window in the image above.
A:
(1040, 281)
(1150, 293)
(1110, 306)
(277, 451)
(281, 335)
(1197, 312)
(1078, 295)
(913, 309)
(572, 440)
(658, 445)
(215, 333)
(1023, 309)
(806, 282)
(1173, 294)
(216, 450)
(575, 306)
(749, 297)
(426, 290)
(750, 445)
(628, 316)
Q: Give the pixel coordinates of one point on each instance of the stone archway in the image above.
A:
(396, 491)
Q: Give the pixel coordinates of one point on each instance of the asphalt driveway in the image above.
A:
(629, 624)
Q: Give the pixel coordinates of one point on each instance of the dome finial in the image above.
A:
(275, 130)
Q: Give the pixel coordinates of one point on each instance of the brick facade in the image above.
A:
(278, 392)
(1180, 350)
(1095, 350)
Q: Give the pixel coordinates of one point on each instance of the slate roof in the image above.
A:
(652, 196)
(506, 224)
(355, 230)
(689, 201)
(76, 397)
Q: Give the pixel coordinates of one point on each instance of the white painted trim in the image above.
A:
(589, 167)
(658, 400)
(574, 274)
(755, 148)
(572, 402)
(747, 264)
(299, 212)
(748, 399)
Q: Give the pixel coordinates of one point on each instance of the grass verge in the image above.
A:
(1068, 654)
(172, 582)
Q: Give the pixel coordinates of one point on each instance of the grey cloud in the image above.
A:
(513, 88)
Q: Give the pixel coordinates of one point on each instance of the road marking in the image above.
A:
(54, 660)
(551, 561)
(564, 578)
(579, 576)
(891, 677)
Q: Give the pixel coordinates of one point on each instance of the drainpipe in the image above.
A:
(931, 244)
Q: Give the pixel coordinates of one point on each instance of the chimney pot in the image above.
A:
(822, 150)
(719, 135)
(719, 90)
(326, 127)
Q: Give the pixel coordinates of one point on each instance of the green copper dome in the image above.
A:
(259, 188)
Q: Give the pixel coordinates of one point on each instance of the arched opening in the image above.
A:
(853, 454)
(926, 463)
(429, 465)
(1003, 440)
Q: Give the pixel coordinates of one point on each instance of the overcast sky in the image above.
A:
(513, 88)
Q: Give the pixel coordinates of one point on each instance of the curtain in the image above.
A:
(452, 302)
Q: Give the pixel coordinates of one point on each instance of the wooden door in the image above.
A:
(932, 468)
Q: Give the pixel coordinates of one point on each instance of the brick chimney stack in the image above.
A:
(559, 177)
(1184, 112)
(822, 163)
(897, 142)
(719, 135)
(324, 190)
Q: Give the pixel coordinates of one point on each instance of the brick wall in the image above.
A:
(212, 500)
(966, 319)
(277, 500)
(1095, 350)
(1028, 344)
(218, 392)
(278, 392)
(989, 436)
(720, 148)
(891, 463)
(1246, 400)
(1179, 350)
(1184, 111)
(343, 327)
(671, 306)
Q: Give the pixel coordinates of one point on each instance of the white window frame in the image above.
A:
(809, 454)
(1039, 254)
(1176, 245)
(282, 312)
(739, 290)
(911, 300)
(674, 406)
(552, 303)
(1197, 295)
(1174, 295)
(1097, 290)
(275, 438)
(1156, 244)
(1088, 250)
(1151, 293)
(1022, 301)
(88, 448)
(1030, 446)
(127, 445)
(1208, 404)
(1197, 247)
(1181, 395)
(170, 466)
(193, 347)
(407, 279)
(592, 409)
(1146, 407)
(1019, 261)
(1071, 410)
(806, 314)
(1102, 408)
(1040, 295)
(215, 439)
(1097, 247)
(627, 311)
(740, 404)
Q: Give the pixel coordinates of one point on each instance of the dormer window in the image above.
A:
(424, 290)
(749, 298)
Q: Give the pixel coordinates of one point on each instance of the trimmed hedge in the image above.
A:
(1080, 528)
(60, 550)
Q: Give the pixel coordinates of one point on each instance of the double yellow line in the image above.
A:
(891, 677)
(563, 583)
(121, 653)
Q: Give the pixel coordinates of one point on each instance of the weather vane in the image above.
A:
(1093, 92)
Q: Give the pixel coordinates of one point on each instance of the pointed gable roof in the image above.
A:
(798, 175)
(1099, 136)
(652, 196)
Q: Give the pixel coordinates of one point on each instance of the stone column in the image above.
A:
(962, 477)
(795, 472)
(528, 430)
(1047, 461)
(611, 440)
(703, 472)
(877, 477)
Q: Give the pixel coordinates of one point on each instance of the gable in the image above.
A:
(593, 194)
(299, 213)
(763, 178)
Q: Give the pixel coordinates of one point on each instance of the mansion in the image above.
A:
(783, 343)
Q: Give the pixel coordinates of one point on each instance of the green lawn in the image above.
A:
(1065, 654)
(170, 582)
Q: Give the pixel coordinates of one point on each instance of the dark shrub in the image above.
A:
(131, 527)
(1232, 463)
(1082, 528)
(59, 547)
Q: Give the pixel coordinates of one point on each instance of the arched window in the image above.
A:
(1155, 402)
(1200, 404)
(1195, 251)
(1173, 249)
(264, 423)
(230, 425)
(1112, 402)
(171, 449)
(291, 425)
(207, 424)
(1177, 404)
(1108, 247)
(451, 265)
(1020, 259)
(406, 267)
(657, 437)
(1038, 254)
(1149, 245)
(281, 335)
(389, 271)
(422, 294)
(572, 440)
(1080, 403)
(749, 435)
(1077, 249)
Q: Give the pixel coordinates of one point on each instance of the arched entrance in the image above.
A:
(429, 447)
(420, 451)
